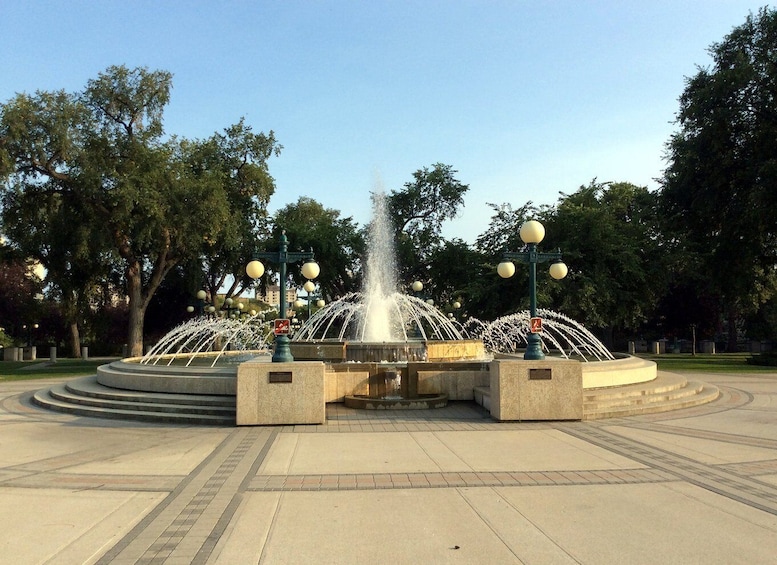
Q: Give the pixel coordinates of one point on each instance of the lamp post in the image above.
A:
(456, 307)
(309, 287)
(199, 308)
(418, 288)
(532, 233)
(282, 257)
(232, 311)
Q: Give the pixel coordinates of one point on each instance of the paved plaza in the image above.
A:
(422, 487)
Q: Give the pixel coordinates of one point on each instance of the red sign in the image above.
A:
(536, 325)
(282, 326)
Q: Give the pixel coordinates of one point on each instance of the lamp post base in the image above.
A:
(533, 348)
(282, 353)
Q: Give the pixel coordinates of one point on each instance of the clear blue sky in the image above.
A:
(524, 98)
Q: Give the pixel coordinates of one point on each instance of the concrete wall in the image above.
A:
(280, 393)
(343, 380)
(550, 389)
(315, 350)
(623, 371)
(453, 350)
(458, 385)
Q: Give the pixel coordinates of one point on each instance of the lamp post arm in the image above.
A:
(532, 256)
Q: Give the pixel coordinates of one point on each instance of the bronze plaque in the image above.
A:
(539, 374)
(280, 376)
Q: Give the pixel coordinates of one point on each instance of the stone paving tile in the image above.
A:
(187, 524)
(453, 480)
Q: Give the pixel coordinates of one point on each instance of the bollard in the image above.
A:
(85, 352)
(632, 348)
(53, 354)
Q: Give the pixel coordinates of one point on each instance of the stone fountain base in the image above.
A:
(204, 395)
(388, 352)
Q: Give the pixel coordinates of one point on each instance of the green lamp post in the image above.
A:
(282, 257)
(532, 233)
(310, 289)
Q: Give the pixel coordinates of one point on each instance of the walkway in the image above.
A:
(445, 486)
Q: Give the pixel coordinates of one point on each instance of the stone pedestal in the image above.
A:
(280, 393)
(551, 389)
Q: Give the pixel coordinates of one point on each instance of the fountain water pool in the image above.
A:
(210, 340)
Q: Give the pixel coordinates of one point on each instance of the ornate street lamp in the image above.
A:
(418, 287)
(227, 307)
(282, 257)
(532, 233)
(199, 307)
(309, 287)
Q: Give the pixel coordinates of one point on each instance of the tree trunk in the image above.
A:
(731, 347)
(137, 310)
(75, 341)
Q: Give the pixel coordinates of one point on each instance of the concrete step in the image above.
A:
(89, 387)
(67, 398)
(667, 392)
(703, 394)
(168, 380)
(61, 393)
(664, 382)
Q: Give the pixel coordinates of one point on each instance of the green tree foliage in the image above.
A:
(240, 158)
(720, 187)
(419, 211)
(458, 273)
(17, 289)
(609, 236)
(93, 172)
(492, 295)
(336, 242)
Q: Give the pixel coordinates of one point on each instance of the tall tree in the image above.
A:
(458, 274)
(101, 154)
(42, 136)
(610, 239)
(720, 187)
(335, 241)
(419, 210)
(241, 159)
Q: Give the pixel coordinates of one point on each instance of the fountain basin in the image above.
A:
(421, 402)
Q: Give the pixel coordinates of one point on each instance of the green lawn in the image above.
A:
(719, 363)
(42, 369)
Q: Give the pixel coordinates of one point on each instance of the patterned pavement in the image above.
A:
(143, 493)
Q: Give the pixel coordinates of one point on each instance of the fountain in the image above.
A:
(380, 349)
(561, 335)
(209, 340)
(385, 328)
